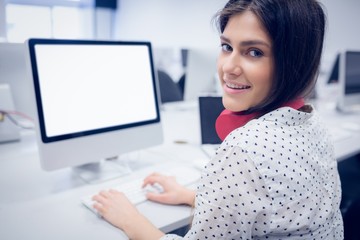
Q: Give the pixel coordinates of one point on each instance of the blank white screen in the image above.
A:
(88, 87)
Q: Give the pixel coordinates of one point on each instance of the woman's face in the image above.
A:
(245, 64)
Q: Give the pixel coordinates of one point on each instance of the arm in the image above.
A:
(114, 207)
(232, 200)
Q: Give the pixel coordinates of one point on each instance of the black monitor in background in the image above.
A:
(349, 81)
(210, 108)
(352, 72)
(334, 75)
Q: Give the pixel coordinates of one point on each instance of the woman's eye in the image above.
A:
(255, 53)
(226, 47)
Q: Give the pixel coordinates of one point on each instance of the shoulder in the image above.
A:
(283, 134)
(271, 125)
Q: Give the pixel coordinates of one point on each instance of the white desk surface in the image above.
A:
(35, 204)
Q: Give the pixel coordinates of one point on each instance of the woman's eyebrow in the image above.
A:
(254, 42)
(225, 39)
(247, 42)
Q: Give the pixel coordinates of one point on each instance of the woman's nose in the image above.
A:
(232, 65)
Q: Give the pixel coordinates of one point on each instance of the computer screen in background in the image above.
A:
(210, 108)
(349, 80)
(201, 77)
(14, 73)
(95, 100)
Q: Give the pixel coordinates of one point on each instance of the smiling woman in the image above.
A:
(274, 175)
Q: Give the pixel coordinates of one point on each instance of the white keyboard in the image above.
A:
(136, 194)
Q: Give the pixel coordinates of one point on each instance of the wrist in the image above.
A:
(189, 197)
(142, 228)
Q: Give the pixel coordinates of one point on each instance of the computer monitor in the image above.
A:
(13, 72)
(94, 100)
(334, 74)
(201, 73)
(349, 81)
(210, 108)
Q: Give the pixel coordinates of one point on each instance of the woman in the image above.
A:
(276, 176)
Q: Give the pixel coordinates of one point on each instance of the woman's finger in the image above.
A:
(100, 198)
(99, 208)
(154, 178)
(158, 197)
(104, 194)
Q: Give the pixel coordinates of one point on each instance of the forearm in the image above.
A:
(141, 228)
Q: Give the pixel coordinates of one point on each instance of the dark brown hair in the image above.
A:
(296, 28)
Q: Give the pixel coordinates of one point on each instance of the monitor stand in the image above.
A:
(104, 170)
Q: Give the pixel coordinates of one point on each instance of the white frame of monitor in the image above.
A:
(56, 155)
(346, 102)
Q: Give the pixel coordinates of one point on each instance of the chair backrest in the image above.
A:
(169, 90)
(181, 84)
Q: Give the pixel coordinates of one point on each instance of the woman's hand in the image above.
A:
(114, 207)
(173, 193)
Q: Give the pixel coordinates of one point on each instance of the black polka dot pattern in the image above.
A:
(274, 178)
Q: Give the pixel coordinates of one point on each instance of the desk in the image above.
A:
(343, 122)
(35, 204)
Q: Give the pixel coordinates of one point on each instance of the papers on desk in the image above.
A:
(338, 134)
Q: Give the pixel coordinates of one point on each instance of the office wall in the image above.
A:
(186, 23)
(343, 31)
(168, 23)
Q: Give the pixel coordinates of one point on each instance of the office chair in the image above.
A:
(351, 221)
(349, 171)
(181, 84)
(169, 90)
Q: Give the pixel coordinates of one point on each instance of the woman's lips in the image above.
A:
(235, 88)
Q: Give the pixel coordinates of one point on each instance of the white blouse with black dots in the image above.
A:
(274, 178)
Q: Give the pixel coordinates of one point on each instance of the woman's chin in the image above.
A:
(234, 106)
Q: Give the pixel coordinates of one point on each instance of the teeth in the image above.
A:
(231, 85)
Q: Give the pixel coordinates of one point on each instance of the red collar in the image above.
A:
(228, 121)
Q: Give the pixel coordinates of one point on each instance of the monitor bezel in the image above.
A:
(348, 102)
(32, 43)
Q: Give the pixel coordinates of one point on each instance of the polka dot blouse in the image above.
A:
(274, 178)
